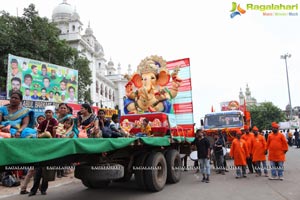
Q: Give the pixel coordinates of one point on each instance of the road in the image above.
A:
(221, 187)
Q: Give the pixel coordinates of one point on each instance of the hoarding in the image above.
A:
(41, 81)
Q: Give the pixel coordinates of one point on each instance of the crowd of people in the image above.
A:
(18, 121)
(248, 150)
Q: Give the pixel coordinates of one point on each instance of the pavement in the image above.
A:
(12, 191)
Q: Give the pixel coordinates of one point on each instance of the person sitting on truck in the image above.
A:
(65, 130)
(88, 122)
(145, 129)
(47, 129)
(17, 119)
(64, 112)
(115, 128)
(104, 124)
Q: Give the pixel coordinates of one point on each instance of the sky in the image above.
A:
(225, 53)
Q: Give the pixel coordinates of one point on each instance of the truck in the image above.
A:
(228, 121)
(152, 161)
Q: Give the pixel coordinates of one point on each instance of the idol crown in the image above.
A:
(152, 64)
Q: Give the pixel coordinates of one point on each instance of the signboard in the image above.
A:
(41, 81)
(182, 103)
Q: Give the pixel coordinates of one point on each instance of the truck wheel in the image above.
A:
(97, 173)
(173, 166)
(139, 173)
(127, 176)
(95, 184)
(156, 172)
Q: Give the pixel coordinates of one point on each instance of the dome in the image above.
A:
(75, 16)
(89, 30)
(63, 10)
(110, 63)
(98, 47)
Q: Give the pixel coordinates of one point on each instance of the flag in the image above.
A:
(212, 109)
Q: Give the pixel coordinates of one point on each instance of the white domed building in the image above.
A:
(108, 87)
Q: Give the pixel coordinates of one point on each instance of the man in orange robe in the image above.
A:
(248, 137)
(239, 152)
(277, 147)
(259, 146)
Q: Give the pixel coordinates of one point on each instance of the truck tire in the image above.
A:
(95, 184)
(173, 166)
(98, 173)
(139, 173)
(127, 176)
(156, 172)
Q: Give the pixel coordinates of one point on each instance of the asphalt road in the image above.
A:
(221, 187)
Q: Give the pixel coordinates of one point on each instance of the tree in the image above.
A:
(84, 79)
(34, 37)
(264, 114)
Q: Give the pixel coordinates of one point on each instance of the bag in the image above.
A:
(10, 180)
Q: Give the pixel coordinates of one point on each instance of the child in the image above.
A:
(145, 129)
(115, 128)
(39, 120)
(65, 130)
(47, 128)
(4, 130)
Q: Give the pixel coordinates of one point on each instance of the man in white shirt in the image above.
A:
(27, 94)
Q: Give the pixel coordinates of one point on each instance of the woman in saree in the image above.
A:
(16, 120)
(88, 122)
(65, 112)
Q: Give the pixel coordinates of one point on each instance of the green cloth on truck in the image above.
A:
(183, 139)
(21, 151)
(156, 141)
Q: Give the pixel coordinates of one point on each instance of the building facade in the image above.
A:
(108, 86)
(247, 97)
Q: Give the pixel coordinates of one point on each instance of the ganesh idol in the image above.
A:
(147, 90)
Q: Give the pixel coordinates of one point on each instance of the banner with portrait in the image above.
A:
(41, 81)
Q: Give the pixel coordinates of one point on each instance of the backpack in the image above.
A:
(9, 180)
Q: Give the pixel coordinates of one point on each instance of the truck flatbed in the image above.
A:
(17, 151)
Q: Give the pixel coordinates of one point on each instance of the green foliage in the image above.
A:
(84, 79)
(33, 37)
(264, 114)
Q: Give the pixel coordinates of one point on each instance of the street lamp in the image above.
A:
(285, 57)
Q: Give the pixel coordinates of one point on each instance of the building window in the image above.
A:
(101, 89)
(97, 87)
(113, 96)
(109, 95)
(73, 27)
(105, 92)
